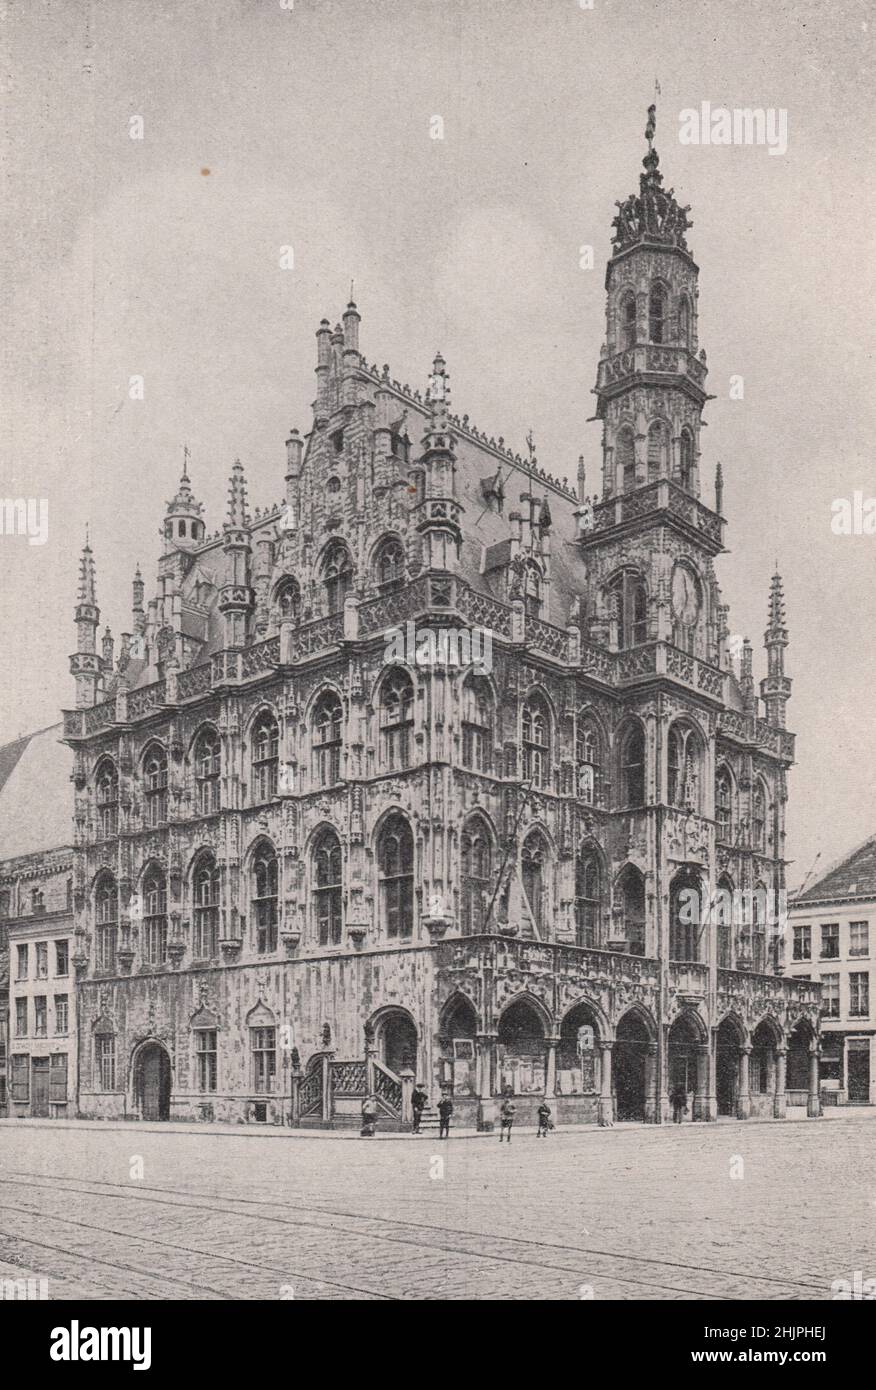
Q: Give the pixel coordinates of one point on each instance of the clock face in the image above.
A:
(685, 595)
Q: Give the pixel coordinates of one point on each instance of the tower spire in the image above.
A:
(775, 690)
(184, 521)
(85, 663)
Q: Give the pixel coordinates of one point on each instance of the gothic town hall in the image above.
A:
(304, 872)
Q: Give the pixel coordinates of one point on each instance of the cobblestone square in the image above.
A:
(711, 1212)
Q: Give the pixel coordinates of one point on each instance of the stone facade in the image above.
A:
(316, 858)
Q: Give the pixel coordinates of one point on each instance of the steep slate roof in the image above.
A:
(36, 794)
(852, 877)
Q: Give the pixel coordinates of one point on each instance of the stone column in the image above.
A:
(486, 1065)
(550, 1069)
(652, 1105)
(605, 1104)
(406, 1077)
(701, 1093)
(295, 1085)
(813, 1104)
(327, 1059)
(743, 1108)
(780, 1101)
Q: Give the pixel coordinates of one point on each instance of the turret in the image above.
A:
(438, 508)
(236, 595)
(775, 690)
(323, 367)
(651, 342)
(85, 664)
(183, 523)
(138, 590)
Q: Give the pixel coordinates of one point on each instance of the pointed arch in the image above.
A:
(105, 893)
(658, 450)
(724, 913)
(336, 575)
(264, 742)
(536, 732)
(205, 757)
(590, 888)
(286, 600)
(630, 744)
(658, 301)
(535, 873)
(154, 770)
(326, 735)
(389, 564)
(327, 868)
(590, 744)
(685, 758)
(153, 901)
(106, 783)
(394, 842)
(477, 851)
(626, 320)
(625, 458)
(478, 720)
(629, 894)
(205, 891)
(264, 894)
(725, 799)
(395, 705)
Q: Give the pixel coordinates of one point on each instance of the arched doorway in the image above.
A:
(799, 1044)
(630, 1067)
(152, 1081)
(728, 1046)
(762, 1068)
(578, 1059)
(457, 1031)
(396, 1041)
(521, 1050)
(685, 1066)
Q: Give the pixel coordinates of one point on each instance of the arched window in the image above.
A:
(395, 859)
(683, 767)
(154, 917)
(632, 897)
(536, 742)
(328, 893)
(724, 806)
(633, 767)
(588, 760)
(477, 724)
(684, 321)
(657, 314)
(758, 928)
(328, 719)
(265, 758)
(208, 762)
(587, 898)
(533, 863)
(337, 576)
(477, 853)
(685, 450)
(106, 914)
(205, 896)
(288, 601)
(627, 322)
(107, 799)
(658, 450)
(724, 922)
(625, 450)
(265, 898)
(758, 818)
(396, 720)
(155, 784)
(390, 566)
(685, 916)
(628, 605)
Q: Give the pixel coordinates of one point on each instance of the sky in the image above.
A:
(310, 124)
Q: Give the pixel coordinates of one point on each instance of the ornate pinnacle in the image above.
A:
(776, 622)
(87, 586)
(237, 513)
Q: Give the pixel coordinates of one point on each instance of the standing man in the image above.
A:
(445, 1110)
(508, 1111)
(419, 1101)
(544, 1120)
(679, 1103)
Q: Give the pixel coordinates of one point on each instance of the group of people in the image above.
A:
(507, 1113)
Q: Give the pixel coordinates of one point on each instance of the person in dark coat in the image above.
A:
(419, 1101)
(445, 1110)
(679, 1103)
(544, 1120)
(507, 1113)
